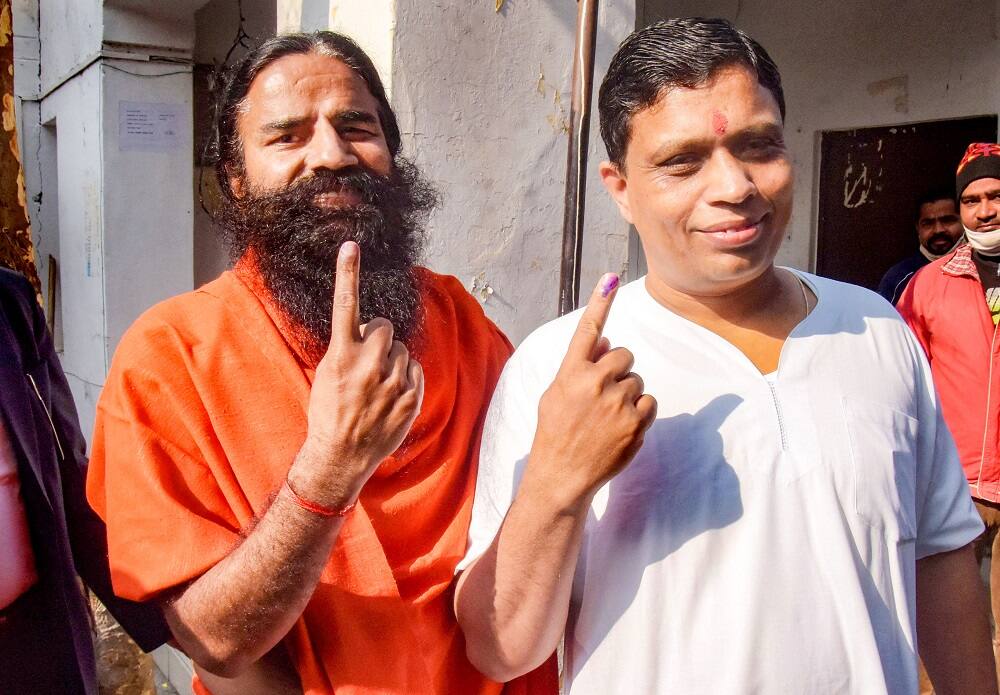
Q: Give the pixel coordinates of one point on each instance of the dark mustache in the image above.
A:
(940, 236)
(367, 185)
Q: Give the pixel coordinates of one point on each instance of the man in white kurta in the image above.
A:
(763, 539)
(726, 477)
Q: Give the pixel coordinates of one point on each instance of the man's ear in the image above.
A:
(236, 186)
(616, 183)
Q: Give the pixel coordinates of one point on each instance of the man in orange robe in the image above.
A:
(286, 457)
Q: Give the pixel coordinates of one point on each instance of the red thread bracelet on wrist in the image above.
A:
(317, 508)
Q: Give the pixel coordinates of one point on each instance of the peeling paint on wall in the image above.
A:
(480, 288)
(560, 119)
(899, 84)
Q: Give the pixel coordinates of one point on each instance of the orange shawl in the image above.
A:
(202, 414)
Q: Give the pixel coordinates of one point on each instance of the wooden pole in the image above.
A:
(576, 166)
(16, 251)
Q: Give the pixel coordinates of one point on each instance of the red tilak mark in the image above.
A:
(719, 123)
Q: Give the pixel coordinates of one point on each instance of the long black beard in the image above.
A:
(295, 245)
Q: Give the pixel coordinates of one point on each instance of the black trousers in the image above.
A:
(37, 656)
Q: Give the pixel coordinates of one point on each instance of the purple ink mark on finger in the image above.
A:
(608, 284)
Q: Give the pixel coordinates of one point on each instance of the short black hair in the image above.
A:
(932, 195)
(225, 148)
(674, 53)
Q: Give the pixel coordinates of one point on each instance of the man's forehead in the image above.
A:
(307, 78)
(732, 96)
(981, 186)
(936, 207)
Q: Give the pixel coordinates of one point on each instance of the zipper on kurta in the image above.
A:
(989, 397)
(52, 424)
(781, 419)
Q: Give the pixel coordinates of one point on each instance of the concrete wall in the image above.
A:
(71, 34)
(858, 63)
(216, 25)
(164, 27)
(487, 120)
(148, 246)
(75, 109)
(116, 256)
(372, 22)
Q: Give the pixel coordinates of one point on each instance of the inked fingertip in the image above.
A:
(608, 283)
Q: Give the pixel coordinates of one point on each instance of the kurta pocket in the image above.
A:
(883, 445)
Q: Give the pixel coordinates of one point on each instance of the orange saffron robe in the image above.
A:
(202, 414)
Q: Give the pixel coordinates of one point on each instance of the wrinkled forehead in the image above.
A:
(302, 83)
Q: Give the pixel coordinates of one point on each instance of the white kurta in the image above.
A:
(763, 540)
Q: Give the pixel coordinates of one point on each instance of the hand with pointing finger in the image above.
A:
(365, 396)
(592, 419)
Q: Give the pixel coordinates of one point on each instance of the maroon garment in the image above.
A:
(17, 561)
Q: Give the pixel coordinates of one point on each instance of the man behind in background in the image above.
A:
(953, 307)
(939, 231)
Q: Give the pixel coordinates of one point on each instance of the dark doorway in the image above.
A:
(870, 180)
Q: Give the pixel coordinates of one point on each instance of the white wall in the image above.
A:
(160, 27)
(483, 102)
(146, 199)
(119, 222)
(124, 218)
(71, 34)
(835, 57)
(76, 110)
(371, 23)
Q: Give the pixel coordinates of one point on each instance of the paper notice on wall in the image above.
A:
(149, 127)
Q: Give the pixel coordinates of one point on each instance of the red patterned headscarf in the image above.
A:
(981, 161)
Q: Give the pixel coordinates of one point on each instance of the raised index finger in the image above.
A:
(345, 321)
(591, 325)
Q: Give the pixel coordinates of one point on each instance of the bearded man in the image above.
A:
(285, 458)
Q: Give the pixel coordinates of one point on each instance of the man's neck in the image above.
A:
(756, 318)
(762, 295)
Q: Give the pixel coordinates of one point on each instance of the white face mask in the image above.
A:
(934, 256)
(986, 243)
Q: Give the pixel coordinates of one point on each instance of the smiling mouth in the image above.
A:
(735, 233)
(340, 197)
